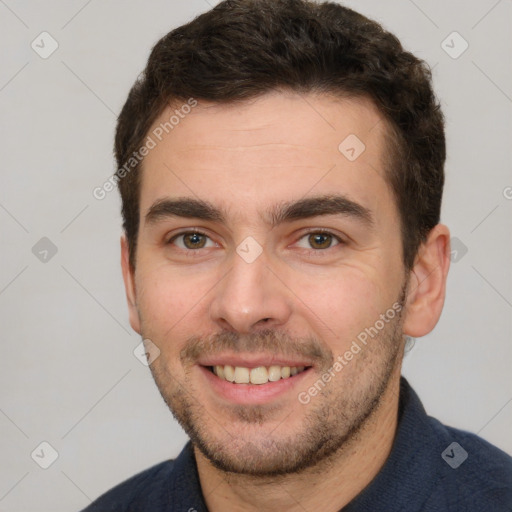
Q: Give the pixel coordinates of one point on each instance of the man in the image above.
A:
(281, 172)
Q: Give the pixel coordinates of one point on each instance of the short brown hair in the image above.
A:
(242, 49)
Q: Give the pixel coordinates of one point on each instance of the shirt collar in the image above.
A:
(414, 454)
(185, 490)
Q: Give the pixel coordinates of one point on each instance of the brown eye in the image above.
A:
(191, 240)
(320, 240)
(194, 241)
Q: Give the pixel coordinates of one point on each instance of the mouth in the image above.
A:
(258, 376)
(253, 381)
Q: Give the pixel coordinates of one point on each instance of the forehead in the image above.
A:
(275, 148)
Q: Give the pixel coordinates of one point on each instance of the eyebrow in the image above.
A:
(318, 206)
(305, 208)
(183, 207)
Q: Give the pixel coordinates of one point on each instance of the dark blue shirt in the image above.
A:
(431, 468)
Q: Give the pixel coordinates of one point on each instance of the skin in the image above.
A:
(293, 300)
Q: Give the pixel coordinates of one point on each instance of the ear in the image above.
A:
(129, 285)
(427, 283)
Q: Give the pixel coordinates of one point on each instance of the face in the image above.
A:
(266, 254)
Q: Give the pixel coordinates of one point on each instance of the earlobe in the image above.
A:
(129, 285)
(427, 284)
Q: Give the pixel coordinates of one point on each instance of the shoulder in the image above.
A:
(474, 475)
(142, 491)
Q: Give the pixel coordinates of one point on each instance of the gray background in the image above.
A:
(68, 374)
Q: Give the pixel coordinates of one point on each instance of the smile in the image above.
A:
(259, 375)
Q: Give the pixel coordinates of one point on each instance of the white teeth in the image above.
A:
(274, 373)
(219, 371)
(259, 375)
(229, 373)
(242, 375)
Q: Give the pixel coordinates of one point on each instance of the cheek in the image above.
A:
(342, 305)
(169, 299)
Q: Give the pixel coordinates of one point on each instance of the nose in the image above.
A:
(251, 296)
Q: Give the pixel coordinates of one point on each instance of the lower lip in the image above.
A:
(251, 394)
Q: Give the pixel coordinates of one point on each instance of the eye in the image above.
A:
(319, 240)
(192, 240)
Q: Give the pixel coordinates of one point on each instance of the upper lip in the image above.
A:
(252, 360)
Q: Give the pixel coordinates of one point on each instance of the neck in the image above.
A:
(329, 486)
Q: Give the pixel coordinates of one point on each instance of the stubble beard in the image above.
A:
(333, 419)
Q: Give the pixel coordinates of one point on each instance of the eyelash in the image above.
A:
(184, 233)
(319, 252)
(310, 232)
